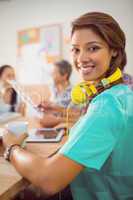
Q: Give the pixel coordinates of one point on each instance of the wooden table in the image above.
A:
(10, 181)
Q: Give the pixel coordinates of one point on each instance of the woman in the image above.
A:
(55, 109)
(8, 97)
(97, 158)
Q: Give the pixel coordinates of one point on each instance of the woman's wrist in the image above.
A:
(9, 150)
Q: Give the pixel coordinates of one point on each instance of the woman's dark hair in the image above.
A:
(3, 68)
(14, 94)
(105, 26)
(64, 68)
(13, 100)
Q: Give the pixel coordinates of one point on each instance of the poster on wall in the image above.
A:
(38, 49)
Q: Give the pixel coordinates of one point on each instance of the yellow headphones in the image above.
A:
(84, 91)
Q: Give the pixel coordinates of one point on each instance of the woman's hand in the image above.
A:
(47, 106)
(49, 121)
(10, 138)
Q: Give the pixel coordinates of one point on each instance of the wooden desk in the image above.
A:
(10, 181)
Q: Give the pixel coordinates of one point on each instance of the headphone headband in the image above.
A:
(85, 91)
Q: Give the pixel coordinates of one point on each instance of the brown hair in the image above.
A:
(13, 100)
(3, 68)
(64, 68)
(105, 26)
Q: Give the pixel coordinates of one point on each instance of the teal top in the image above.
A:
(102, 141)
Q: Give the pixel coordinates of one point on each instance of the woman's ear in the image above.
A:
(114, 53)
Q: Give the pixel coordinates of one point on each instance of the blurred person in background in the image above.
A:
(9, 101)
(55, 109)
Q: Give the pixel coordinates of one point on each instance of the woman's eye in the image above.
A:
(93, 49)
(75, 50)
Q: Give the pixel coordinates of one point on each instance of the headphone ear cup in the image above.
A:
(78, 94)
(84, 91)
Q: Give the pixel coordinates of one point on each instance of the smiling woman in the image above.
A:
(96, 157)
(95, 38)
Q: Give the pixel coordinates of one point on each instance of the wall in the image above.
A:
(20, 14)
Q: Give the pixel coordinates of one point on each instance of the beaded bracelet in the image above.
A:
(8, 151)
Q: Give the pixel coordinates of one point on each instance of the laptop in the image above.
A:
(7, 116)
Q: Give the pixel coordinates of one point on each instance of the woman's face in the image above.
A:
(57, 77)
(8, 74)
(91, 54)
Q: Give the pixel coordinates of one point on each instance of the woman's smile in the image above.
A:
(86, 69)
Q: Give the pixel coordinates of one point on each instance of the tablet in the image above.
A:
(45, 135)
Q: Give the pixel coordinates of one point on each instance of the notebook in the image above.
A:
(5, 117)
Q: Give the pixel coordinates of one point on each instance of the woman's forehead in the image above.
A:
(85, 36)
(8, 70)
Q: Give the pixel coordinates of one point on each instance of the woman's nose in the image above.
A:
(83, 57)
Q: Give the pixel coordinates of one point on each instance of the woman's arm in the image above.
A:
(50, 120)
(22, 109)
(64, 115)
(51, 175)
